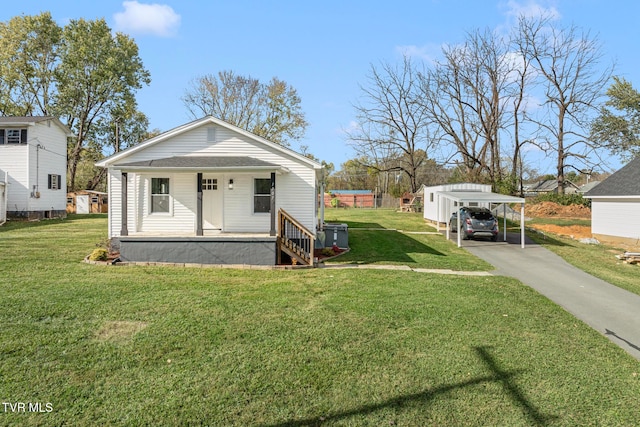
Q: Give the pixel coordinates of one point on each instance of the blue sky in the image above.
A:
(323, 49)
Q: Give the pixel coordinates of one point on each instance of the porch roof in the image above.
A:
(202, 163)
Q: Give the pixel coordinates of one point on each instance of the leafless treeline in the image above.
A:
(484, 103)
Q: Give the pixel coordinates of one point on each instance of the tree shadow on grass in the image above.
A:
(371, 243)
(505, 378)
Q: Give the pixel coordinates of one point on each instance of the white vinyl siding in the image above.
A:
(48, 159)
(295, 190)
(615, 217)
(15, 160)
(30, 164)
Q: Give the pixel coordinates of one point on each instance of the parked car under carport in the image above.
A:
(474, 222)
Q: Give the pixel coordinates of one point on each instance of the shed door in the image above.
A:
(82, 204)
(212, 202)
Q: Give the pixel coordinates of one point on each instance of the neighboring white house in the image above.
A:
(209, 192)
(436, 207)
(615, 206)
(33, 151)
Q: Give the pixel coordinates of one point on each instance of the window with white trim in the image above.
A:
(160, 198)
(13, 136)
(261, 195)
(54, 182)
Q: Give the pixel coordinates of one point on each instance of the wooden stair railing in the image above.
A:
(294, 239)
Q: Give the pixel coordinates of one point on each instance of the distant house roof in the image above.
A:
(200, 162)
(548, 185)
(588, 186)
(625, 182)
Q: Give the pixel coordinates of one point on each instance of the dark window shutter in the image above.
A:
(49, 179)
(59, 182)
(1, 136)
(23, 136)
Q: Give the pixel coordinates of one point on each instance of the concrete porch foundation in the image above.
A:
(199, 250)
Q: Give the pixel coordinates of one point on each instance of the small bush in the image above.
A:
(328, 252)
(99, 254)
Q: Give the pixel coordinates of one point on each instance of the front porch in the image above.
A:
(211, 210)
(292, 244)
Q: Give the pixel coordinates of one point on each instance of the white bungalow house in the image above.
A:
(208, 192)
(615, 206)
(33, 162)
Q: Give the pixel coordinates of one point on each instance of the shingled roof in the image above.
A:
(625, 182)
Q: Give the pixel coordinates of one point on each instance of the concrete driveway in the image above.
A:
(608, 309)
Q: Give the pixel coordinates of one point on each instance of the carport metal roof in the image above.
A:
(464, 197)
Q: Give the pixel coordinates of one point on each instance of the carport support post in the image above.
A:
(522, 225)
(504, 222)
(447, 215)
(458, 225)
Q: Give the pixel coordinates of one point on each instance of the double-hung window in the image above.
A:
(261, 195)
(54, 182)
(13, 136)
(160, 198)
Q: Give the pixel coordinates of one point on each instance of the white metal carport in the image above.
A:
(463, 198)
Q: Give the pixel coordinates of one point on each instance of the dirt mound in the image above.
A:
(574, 231)
(552, 209)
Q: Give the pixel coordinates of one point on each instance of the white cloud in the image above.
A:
(155, 19)
(427, 53)
(530, 9)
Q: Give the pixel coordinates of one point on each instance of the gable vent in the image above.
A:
(211, 135)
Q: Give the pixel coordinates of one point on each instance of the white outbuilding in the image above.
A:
(434, 208)
(441, 201)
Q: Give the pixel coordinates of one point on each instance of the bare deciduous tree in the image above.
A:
(467, 94)
(568, 61)
(394, 131)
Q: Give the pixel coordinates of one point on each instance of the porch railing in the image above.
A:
(294, 239)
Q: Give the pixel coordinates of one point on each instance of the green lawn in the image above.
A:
(379, 218)
(185, 346)
(597, 260)
(390, 237)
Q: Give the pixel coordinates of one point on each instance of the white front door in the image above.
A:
(82, 204)
(212, 202)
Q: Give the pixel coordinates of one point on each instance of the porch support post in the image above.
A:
(124, 230)
(199, 231)
(321, 225)
(272, 193)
